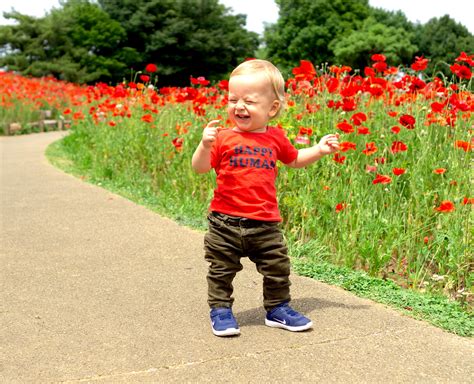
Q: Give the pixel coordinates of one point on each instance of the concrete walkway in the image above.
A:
(97, 289)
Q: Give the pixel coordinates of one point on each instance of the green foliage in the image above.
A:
(356, 48)
(396, 19)
(84, 42)
(348, 32)
(78, 42)
(183, 37)
(441, 40)
(308, 29)
(435, 309)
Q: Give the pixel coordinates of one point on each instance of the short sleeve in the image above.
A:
(215, 154)
(288, 152)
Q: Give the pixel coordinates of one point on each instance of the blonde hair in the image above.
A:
(273, 74)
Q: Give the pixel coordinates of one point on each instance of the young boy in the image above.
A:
(244, 216)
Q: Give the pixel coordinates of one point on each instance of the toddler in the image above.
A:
(244, 217)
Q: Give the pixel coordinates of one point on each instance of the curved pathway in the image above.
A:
(97, 289)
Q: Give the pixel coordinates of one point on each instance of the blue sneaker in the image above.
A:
(223, 322)
(283, 316)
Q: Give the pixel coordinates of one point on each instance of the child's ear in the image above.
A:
(275, 108)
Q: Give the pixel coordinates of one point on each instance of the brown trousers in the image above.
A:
(230, 238)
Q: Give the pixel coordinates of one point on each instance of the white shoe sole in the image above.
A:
(226, 332)
(276, 324)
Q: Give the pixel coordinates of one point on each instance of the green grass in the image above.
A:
(308, 258)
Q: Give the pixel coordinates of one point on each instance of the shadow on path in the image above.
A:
(256, 316)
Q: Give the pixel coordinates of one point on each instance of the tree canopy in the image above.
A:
(348, 32)
(86, 41)
(442, 39)
(309, 29)
(184, 37)
(78, 42)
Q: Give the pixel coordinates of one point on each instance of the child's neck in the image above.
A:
(259, 130)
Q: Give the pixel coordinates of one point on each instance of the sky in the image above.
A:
(266, 11)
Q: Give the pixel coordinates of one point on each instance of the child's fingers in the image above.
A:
(212, 123)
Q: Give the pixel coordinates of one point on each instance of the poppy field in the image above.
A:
(395, 201)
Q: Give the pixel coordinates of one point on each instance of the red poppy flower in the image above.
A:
(464, 145)
(340, 207)
(201, 80)
(144, 78)
(467, 200)
(67, 111)
(151, 68)
(378, 57)
(147, 118)
(345, 127)
(348, 105)
(363, 131)
(398, 171)
(437, 107)
(439, 171)
(370, 149)
(446, 206)
(178, 143)
(346, 146)
(382, 179)
(395, 129)
(461, 71)
(380, 66)
(420, 64)
(467, 58)
(358, 118)
(407, 121)
(305, 131)
(369, 72)
(398, 146)
(78, 116)
(338, 158)
(224, 85)
(305, 71)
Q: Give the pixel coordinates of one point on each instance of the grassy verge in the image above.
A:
(435, 309)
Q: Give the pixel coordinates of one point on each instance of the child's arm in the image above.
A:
(201, 162)
(306, 156)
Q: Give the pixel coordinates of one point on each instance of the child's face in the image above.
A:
(252, 102)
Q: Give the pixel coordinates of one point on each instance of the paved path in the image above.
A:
(94, 288)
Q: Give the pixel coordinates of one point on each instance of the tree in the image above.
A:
(356, 48)
(442, 40)
(78, 42)
(183, 37)
(396, 19)
(310, 29)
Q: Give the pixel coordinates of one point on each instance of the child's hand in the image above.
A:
(329, 144)
(209, 134)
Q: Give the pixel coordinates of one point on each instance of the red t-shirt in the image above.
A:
(245, 164)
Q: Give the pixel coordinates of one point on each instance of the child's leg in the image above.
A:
(222, 251)
(270, 254)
